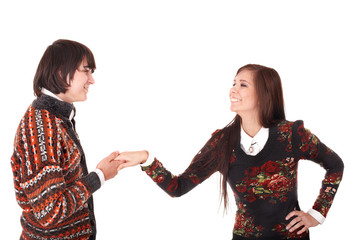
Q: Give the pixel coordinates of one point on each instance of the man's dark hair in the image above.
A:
(59, 61)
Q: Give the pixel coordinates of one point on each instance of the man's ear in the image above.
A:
(67, 79)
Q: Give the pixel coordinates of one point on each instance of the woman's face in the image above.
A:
(243, 94)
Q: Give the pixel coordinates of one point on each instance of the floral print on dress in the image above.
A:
(311, 148)
(309, 142)
(244, 225)
(272, 181)
(157, 172)
(281, 229)
(194, 178)
(333, 179)
(169, 182)
(326, 196)
(285, 133)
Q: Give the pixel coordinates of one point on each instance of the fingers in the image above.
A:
(135, 157)
(124, 156)
(120, 157)
(124, 165)
(126, 159)
(302, 230)
(108, 166)
(291, 214)
(301, 219)
(295, 223)
(113, 155)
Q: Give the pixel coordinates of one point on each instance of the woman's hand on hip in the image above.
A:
(301, 219)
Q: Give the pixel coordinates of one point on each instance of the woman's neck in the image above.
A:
(251, 125)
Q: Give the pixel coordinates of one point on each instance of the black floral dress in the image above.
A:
(265, 185)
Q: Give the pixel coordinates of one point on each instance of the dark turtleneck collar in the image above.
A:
(59, 108)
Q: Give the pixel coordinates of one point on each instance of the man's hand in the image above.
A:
(109, 166)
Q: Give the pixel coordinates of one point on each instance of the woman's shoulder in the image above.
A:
(290, 128)
(289, 124)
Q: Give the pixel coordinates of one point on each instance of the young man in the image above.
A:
(52, 183)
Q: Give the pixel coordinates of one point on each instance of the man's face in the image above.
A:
(79, 85)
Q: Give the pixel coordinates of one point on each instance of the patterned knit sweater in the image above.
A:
(51, 180)
(265, 185)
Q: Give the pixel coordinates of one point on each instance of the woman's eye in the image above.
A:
(243, 85)
(233, 84)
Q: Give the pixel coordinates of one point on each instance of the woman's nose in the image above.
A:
(234, 89)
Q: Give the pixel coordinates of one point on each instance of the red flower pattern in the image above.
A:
(277, 182)
(241, 188)
(281, 228)
(333, 178)
(194, 179)
(160, 179)
(244, 224)
(285, 134)
(172, 186)
(252, 172)
(273, 180)
(270, 168)
(309, 142)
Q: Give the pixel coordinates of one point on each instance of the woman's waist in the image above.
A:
(305, 237)
(263, 219)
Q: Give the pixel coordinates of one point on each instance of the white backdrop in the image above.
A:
(164, 69)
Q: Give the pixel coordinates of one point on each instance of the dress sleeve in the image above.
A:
(311, 148)
(196, 173)
(43, 154)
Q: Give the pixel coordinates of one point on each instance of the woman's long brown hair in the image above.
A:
(271, 111)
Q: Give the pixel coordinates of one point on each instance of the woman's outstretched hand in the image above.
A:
(301, 219)
(131, 159)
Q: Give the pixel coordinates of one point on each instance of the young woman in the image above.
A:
(257, 154)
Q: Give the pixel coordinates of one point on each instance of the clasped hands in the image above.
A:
(116, 161)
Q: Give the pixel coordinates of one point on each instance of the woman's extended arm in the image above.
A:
(175, 186)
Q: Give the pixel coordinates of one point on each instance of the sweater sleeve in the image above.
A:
(48, 178)
(311, 148)
(195, 174)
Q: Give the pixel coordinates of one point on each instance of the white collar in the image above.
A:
(260, 138)
(49, 93)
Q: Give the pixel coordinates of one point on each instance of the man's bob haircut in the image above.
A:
(58, 63)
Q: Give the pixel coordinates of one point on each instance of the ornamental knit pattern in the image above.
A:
(265, 185)
(51, 180)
